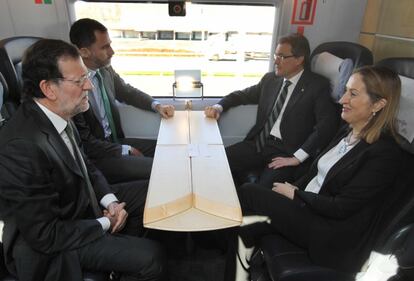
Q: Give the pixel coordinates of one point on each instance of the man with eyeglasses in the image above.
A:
(60, 214)
(295, 119)
(100, 126)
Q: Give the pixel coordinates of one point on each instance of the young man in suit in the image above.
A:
(101, 124)
(60, 214)
(295, 117)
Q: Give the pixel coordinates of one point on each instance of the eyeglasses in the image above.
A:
(282, 57)
(78, 82)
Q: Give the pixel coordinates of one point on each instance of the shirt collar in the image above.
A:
(58, 122)
(294, 80)
(92, 72)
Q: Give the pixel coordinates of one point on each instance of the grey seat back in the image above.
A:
(337, 60)
(405, 68)
(359, 54)
(398, 217)
(11, 55)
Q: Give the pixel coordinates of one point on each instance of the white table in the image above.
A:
(191, 187)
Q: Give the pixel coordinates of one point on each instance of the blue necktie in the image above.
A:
(265, 132)
(107, 107)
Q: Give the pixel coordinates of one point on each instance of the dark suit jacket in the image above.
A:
(346, 210)
(43, 195)
(310, 119)
(90, 128)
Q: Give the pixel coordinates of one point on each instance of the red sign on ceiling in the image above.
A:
(303, 12)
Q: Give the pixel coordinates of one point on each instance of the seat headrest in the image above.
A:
(16, 46)
(326, 64)
(405, 68)
(406, 111)
(402, 66)
(336, 69)
(359, 54)
(11, 55)
(336, 61)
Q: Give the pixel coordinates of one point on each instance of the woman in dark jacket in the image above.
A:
(333, 209)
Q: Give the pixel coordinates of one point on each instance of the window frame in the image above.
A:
(277, 21)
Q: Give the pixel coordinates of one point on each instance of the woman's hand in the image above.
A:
(286, 189)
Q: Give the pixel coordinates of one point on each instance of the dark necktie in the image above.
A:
(107, 107)
(265, 132)
(79, 160)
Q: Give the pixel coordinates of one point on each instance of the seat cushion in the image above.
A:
(288, 262)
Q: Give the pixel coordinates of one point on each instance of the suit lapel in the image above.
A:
(92, 110)
(346, 160)
(54, 139)
(61, 149)
(297, 93)
(109, 84)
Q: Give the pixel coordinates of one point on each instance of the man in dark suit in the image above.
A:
(101, 124)
(60, 215)
(295, 117)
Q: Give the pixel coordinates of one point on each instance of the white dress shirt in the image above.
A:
(326, 162)
(300, 154)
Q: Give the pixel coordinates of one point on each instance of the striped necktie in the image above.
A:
(107, 107)
(265, 132)
(81, 164)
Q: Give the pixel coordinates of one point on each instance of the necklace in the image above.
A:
(347, 143)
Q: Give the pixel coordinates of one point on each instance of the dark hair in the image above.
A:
(82, 32)
(40, 62)
(381, 83)
(299, 44)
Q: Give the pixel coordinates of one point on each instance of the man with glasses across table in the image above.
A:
(295, 119)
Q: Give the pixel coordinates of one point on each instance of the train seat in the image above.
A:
(359, 54)
(278, 259)
(397, 260)
(337, 60)
(405, 68)
(11, 55)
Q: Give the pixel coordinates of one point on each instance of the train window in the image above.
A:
(232, 52)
